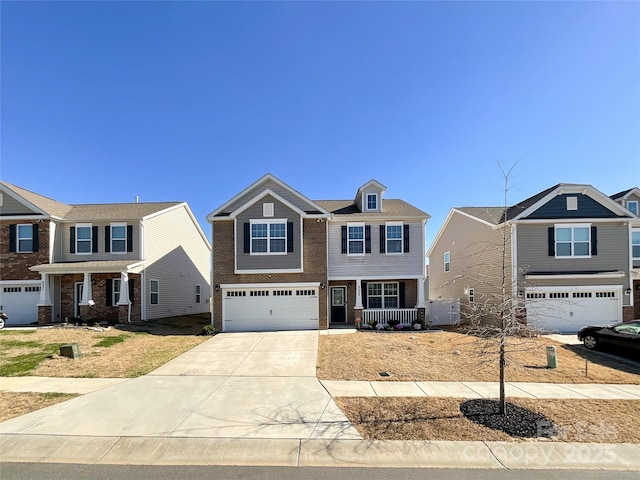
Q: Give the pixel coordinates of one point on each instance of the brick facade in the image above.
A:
(15, 266)
(314, 268)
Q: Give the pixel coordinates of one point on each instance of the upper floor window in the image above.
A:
(24, 238)
(355, 239)
(635, 243)
(394, 238)
(372, 201)
(118, 237)
(382, 295)
(447, 261)
(84, 238)
(633, 206)
(573, 241)
(269, 237)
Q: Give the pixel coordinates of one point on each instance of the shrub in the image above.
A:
(208, 330)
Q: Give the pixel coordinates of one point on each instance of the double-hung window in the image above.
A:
(269, 237)
(24, 238)
(84, 239)
(115, 291)
(382, 295)
(118, 237)
(573, 241)
(355, 239)
(154, 292)
(197, 293)
(372, 201)
(394, 237)
(447, 261)
(635, 243)
(633, 206)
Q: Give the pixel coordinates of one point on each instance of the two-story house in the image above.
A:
(284, 262)
(567, 253)
(103, 262)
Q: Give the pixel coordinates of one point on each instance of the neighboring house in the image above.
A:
(568, 257)
(284, 262)
(107, 262)
(630, 199)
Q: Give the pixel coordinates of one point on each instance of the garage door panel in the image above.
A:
(20, 302)
(568, 310)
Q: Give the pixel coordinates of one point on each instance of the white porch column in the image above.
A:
(124, 289)
(87, 295)
(45, 293)
(358, 293)
(421, 303)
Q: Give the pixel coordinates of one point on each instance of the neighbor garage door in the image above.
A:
(568, 309)
(20, 302)
(283, 307)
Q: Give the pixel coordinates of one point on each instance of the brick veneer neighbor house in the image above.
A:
(568, 253)
(282, 261)
(113, 262)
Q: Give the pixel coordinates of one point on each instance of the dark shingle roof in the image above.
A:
(618, 195)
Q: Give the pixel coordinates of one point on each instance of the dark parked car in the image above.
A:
(621, 336)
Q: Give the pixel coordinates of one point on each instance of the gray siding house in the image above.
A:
(284, 262)
(568, 254)
(103, 262)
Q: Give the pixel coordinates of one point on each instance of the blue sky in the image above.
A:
(193, 101)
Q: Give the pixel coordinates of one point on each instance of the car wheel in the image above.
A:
(1, 323)
(590, 341)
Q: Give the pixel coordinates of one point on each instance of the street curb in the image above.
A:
(317, 453)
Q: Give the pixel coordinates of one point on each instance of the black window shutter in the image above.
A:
(551, 236)
(594, 240)
(36, 238)
(364, 294)
(406, 238)
(131, 291)
(72, 239)
(247, 237)
(129, 238)
(94, 239)
(401, 293)
(107, 239)
(289, 237)
(383, 247)
(12, 238)
(344, 238)
(367, 239)
(109, 291)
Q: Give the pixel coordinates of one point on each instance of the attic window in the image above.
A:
(632, 205)
(572, 203)
(372, 201)
(267, 209)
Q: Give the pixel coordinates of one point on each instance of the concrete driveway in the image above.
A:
(236, 385)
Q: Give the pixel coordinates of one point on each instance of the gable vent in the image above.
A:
(267, 209)
(572, 203)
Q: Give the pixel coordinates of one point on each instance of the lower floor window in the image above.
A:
(154, 290)
(382, 295)
(116, 291)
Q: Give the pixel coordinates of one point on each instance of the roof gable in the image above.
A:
(26, 202)
(256, 191)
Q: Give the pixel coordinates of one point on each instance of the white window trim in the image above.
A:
(359, 225)
(572, 226)
(634, 230)
(471, 293)
(386, 237)
(90, 227)
(629, 202)
(152, 292)
(447, 264)
(18, 238)
(118, 224)
(198, 293)
(382, 295)
(268, 237)
(114, 282)
(366, 202)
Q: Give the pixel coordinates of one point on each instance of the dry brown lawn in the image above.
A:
(385, 418)
(140, 348)
(450, 356)
(16, 404)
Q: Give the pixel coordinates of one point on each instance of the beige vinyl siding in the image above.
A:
(289, 261)
(286, 194)
(10, 206)
(374, 264)
(476, 261)
(179, 258)
(63, 233)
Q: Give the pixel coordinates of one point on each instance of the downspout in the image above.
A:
(211, 286)
(143, 277)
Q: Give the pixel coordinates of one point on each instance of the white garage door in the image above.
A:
(568, 309)
(283, 307)
(20, 302)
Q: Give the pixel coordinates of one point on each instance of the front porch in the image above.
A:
(382, 316)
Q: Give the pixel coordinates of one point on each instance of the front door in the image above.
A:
(338, 305)
(77, 299)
